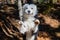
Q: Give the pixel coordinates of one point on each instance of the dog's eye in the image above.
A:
(26, 8)
(31, 8)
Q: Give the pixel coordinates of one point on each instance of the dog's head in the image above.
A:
(30, 9)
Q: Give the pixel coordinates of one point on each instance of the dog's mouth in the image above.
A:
(29, 13)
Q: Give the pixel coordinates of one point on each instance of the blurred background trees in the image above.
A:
(35, 1)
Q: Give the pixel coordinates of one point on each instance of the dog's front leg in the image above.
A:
(35, 33)
(33, 37)
(23, 28)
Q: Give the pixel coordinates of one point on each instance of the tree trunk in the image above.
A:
(20, 9)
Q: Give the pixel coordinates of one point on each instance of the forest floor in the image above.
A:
(49, 27)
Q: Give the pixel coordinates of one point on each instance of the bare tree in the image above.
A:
(20, 9)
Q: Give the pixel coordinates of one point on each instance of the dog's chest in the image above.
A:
(29, 25)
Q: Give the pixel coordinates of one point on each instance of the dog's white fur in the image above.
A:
(28, 23)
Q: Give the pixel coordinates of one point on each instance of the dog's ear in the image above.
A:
(22, 11)
(34, 9)
(25, 5)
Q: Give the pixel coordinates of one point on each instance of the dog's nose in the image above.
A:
(28, 11)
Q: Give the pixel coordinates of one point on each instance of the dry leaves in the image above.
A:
(43, 36)
(48, 20)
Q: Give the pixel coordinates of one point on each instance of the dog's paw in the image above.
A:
(37, 22)
(20, 22)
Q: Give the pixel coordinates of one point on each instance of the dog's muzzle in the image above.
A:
(28, 11)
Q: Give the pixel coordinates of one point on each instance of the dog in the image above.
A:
(29, 24)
